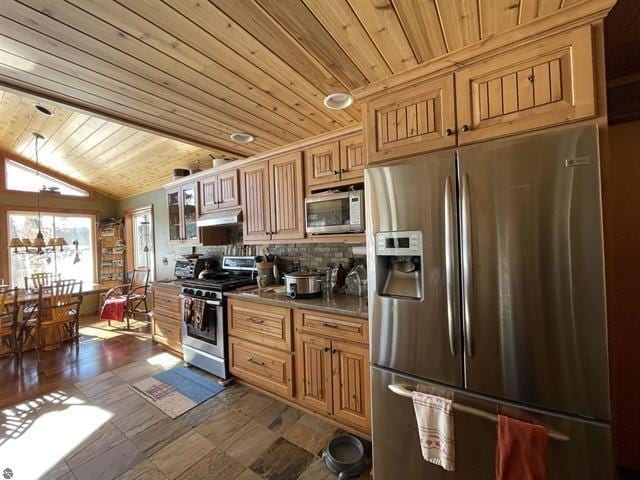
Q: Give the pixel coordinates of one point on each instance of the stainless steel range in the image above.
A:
(206, 347)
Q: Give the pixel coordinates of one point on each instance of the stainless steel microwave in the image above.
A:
(338, 212)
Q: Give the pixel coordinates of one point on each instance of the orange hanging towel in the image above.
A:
(521, 452)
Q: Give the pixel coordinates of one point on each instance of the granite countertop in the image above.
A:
(339, 304)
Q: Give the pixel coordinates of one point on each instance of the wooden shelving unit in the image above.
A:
(112, 248)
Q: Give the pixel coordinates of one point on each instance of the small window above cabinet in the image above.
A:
(219, 192)
(336, 163)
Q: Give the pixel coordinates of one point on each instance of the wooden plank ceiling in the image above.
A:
(114, 159)
(200, 70)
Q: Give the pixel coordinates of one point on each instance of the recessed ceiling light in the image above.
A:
(338, 100)
(43, 110)
(242, 137)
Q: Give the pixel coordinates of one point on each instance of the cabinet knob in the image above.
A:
(336, 172)
(448, 132)
(465, 128)
(343, 170)
(327, 349)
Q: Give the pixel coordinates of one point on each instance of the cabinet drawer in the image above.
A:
(266, 367)
(546, 83)
(263, 324)
(412, 120)
(166, 302)
(167, 331)
(335, 326)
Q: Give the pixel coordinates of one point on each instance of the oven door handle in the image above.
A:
(216, 303)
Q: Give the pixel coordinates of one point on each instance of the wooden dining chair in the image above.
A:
(38, 280)
(58, 307)
(9, 321)
(134, 294)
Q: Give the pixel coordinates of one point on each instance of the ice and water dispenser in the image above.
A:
(399, 264)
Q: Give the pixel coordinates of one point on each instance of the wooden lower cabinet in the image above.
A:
(168, 332)
(313, 372)
(351, 384)
(325, 369)
(166, 319)
(266, 367)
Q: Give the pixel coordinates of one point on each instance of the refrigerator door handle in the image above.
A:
(466, 264)
(449, 248)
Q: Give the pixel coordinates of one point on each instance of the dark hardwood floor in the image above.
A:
(101, 348)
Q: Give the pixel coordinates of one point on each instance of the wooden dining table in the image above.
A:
(53, 335)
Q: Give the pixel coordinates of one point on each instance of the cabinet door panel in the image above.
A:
(287, 198)
(254, 181)
(351, 384)
(209, 194)
(413, 120)
(189, 199)
(352, 158)
(313, 372)
(322, 164)
(547, 83)
(228, 189)
(175, 216)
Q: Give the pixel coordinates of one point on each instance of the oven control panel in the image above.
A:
(201, 293)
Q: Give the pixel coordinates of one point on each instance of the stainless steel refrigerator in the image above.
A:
(486, 286)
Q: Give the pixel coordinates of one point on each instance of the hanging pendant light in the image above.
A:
(38, 245)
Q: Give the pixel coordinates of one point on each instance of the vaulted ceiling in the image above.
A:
(200, 70)
(114, 159)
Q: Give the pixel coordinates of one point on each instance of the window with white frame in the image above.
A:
(62, 261)
(25, 179)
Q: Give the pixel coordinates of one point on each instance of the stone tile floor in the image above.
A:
(99, 429)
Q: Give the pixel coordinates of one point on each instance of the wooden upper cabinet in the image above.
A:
(175, 215)
(182, 203)
(411, 120)
(208, 194)
(287, 197)
(352, 158)
(219, 192)
(547, 83)
(254, 182)
(335, 163)
(322, 164)
(228, 194)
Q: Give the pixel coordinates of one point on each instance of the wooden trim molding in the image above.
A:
(47, 171)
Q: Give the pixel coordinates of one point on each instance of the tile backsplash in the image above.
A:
(312, 256)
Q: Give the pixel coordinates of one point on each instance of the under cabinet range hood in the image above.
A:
(220, 219)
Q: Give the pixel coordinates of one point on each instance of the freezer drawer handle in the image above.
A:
(404, 391)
